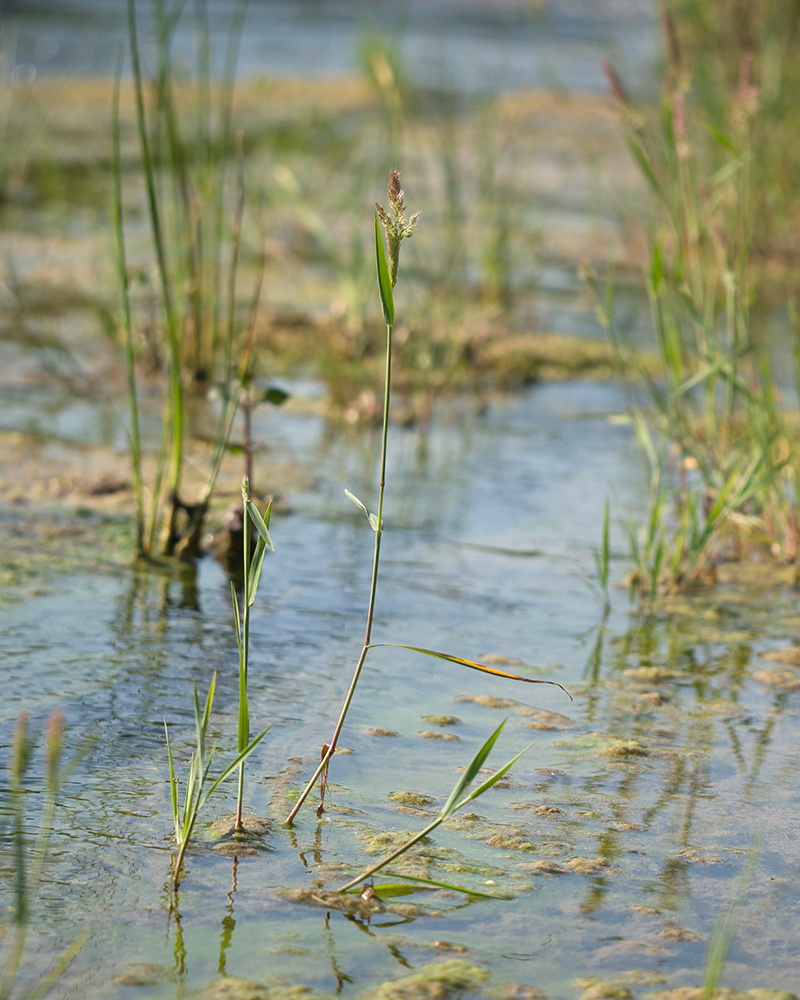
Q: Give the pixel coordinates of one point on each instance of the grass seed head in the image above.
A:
(395, 224)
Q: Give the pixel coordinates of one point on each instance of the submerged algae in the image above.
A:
(436, 981)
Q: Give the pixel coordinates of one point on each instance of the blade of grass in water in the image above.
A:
(384, 889)
(472, 664)
(453, 804)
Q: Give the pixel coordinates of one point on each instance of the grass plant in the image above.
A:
(720, 450)
(28, 864)
(397, 228)
(253, 565)
(458, 798)
(188, 197)
(199, 784)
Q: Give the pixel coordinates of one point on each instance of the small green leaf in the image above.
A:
(237, 760)
(260, 522)
(723, 140)
(469, 774)
(486, 785)
(384, 280)
(372, 518)
(254, 573)
(275, 396)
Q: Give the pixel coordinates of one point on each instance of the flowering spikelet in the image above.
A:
(394, 223)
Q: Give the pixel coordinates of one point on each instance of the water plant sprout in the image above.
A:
(196, 794)
(252, 574)
(397, 228)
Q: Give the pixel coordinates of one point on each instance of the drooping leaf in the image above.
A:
(384, 279)
(372, 518)
(472, 664)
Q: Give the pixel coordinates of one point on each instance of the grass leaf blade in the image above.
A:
(470, 772)
(472, 664)
(486, 785)
(261, 523)
(238, 759)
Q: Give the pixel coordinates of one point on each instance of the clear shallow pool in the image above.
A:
(624, 829)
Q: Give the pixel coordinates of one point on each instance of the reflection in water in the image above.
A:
(228, 922)
(340, 977)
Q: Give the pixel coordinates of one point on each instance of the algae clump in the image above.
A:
(435, 981)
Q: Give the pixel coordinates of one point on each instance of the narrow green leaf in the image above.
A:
(254, 572)
(173, 788)
(237, 619)
(656, 269)
(244, 712)
(486, 785)
(238, 759)
(470, 772)
(433, 884)
(644, 165)
(384, 280)
(372, 518)
(472, 664)
(261, 523)
(452, 804)
(723, 140)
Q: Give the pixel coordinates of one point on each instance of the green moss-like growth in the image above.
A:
(412, 799)
(436, 981)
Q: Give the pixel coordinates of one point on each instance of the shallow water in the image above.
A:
(466, 48)
(622, 832)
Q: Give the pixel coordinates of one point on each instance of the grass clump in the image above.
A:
(195, 214)
(199, 785)
(722, 452)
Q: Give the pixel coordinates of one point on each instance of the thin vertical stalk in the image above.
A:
(397, 228)
(122, 269)
(244, 645)
(176, 389)
(372, 592)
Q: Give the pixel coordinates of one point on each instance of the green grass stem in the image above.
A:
(122, 273)
(387, 304)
